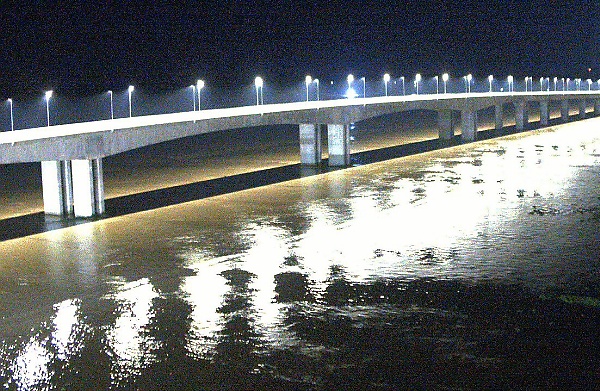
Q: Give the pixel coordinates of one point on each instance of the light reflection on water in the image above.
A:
(214, 289)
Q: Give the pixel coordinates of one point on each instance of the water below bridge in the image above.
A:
(471, 267)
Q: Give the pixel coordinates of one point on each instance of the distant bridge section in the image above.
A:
(71, 154)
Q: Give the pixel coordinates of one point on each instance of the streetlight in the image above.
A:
(403, 89)
(386, 80)
(526, 81)
(48, 96)
(199, 87)
(541, 84)
(589, 81)
(445, 77)
(491, 79)
(112, 113)
(578, 84)
(562, 79)
(316, 81)
(308, 80)
(350, 80)
(555, 81)
(364, 87)
(468, 79)
(568, 80)
(437, 84)
(510, 83)
(130, 90)
(258, 83)
(193, 87)
(12, 124)
(417, 80)
(547, 84)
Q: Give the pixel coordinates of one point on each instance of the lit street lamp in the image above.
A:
(491, 79)
(350, 80)
(437, 84)
(199, 87)
(445, 77)
(555, 81)
(541, 84)
(308, 80)
(316, 81)
(547, 84)
(468, 79)
(386, 80)
(130, 90)
(510, 83)
(12, 124)
(48, 96)
(258, 83)
(417, 80)
(568, 80)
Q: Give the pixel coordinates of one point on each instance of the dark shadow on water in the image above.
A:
(35, 223)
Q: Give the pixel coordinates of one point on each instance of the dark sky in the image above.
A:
(92, 46)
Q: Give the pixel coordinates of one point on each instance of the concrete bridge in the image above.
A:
(71, 154)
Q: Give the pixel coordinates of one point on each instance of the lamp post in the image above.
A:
(491, 79)
(541, 84)
(199, 87)
(417, 80)
(386, 80)
(12, 123)
(364, 87)
(258, 83)
(555, 81)
(578, 84)
(403, 89)
(468, 79)
(193, 87)
(130, 90)
(589, 81)
(307, 80)
(48, 96)
(568, 80)
(562, 79)
(445, 78)
(510, 80)
(437, 84)
(112, 113)
(316, 81)
(350, 80)
(547, 84)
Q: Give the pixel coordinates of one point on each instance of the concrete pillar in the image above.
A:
(310, 144)
(597, 107)
(445, 129)
(582, 107)
(544, 114)
(521, 115)
(338, 138)
(564, 110)
(468, 119)
(88, 187)
(499, 119)
(57, 188)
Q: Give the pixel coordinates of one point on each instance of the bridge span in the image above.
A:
(71, 154)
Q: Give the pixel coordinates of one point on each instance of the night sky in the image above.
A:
(84, 48)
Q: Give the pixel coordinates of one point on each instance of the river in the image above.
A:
(469, 267)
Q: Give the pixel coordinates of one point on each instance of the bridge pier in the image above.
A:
(544, 114)
(597, 107)
(338, 139)
(73, 187)
(564, 110)
(468, 119)
(445, 128)
(311, 151)
(582, 107)
(499, 116)
(521, 117)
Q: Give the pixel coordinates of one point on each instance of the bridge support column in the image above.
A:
(564, 110)
(88, 187)
(521, 117)
(445, 129)
(597, 107)
(338, 138)
(310, 144)
(468, 119)
(582, 107)
(57, 187)
(544, 115)
(499, 116)
(73, 187)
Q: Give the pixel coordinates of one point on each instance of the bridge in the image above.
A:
(71, 154)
